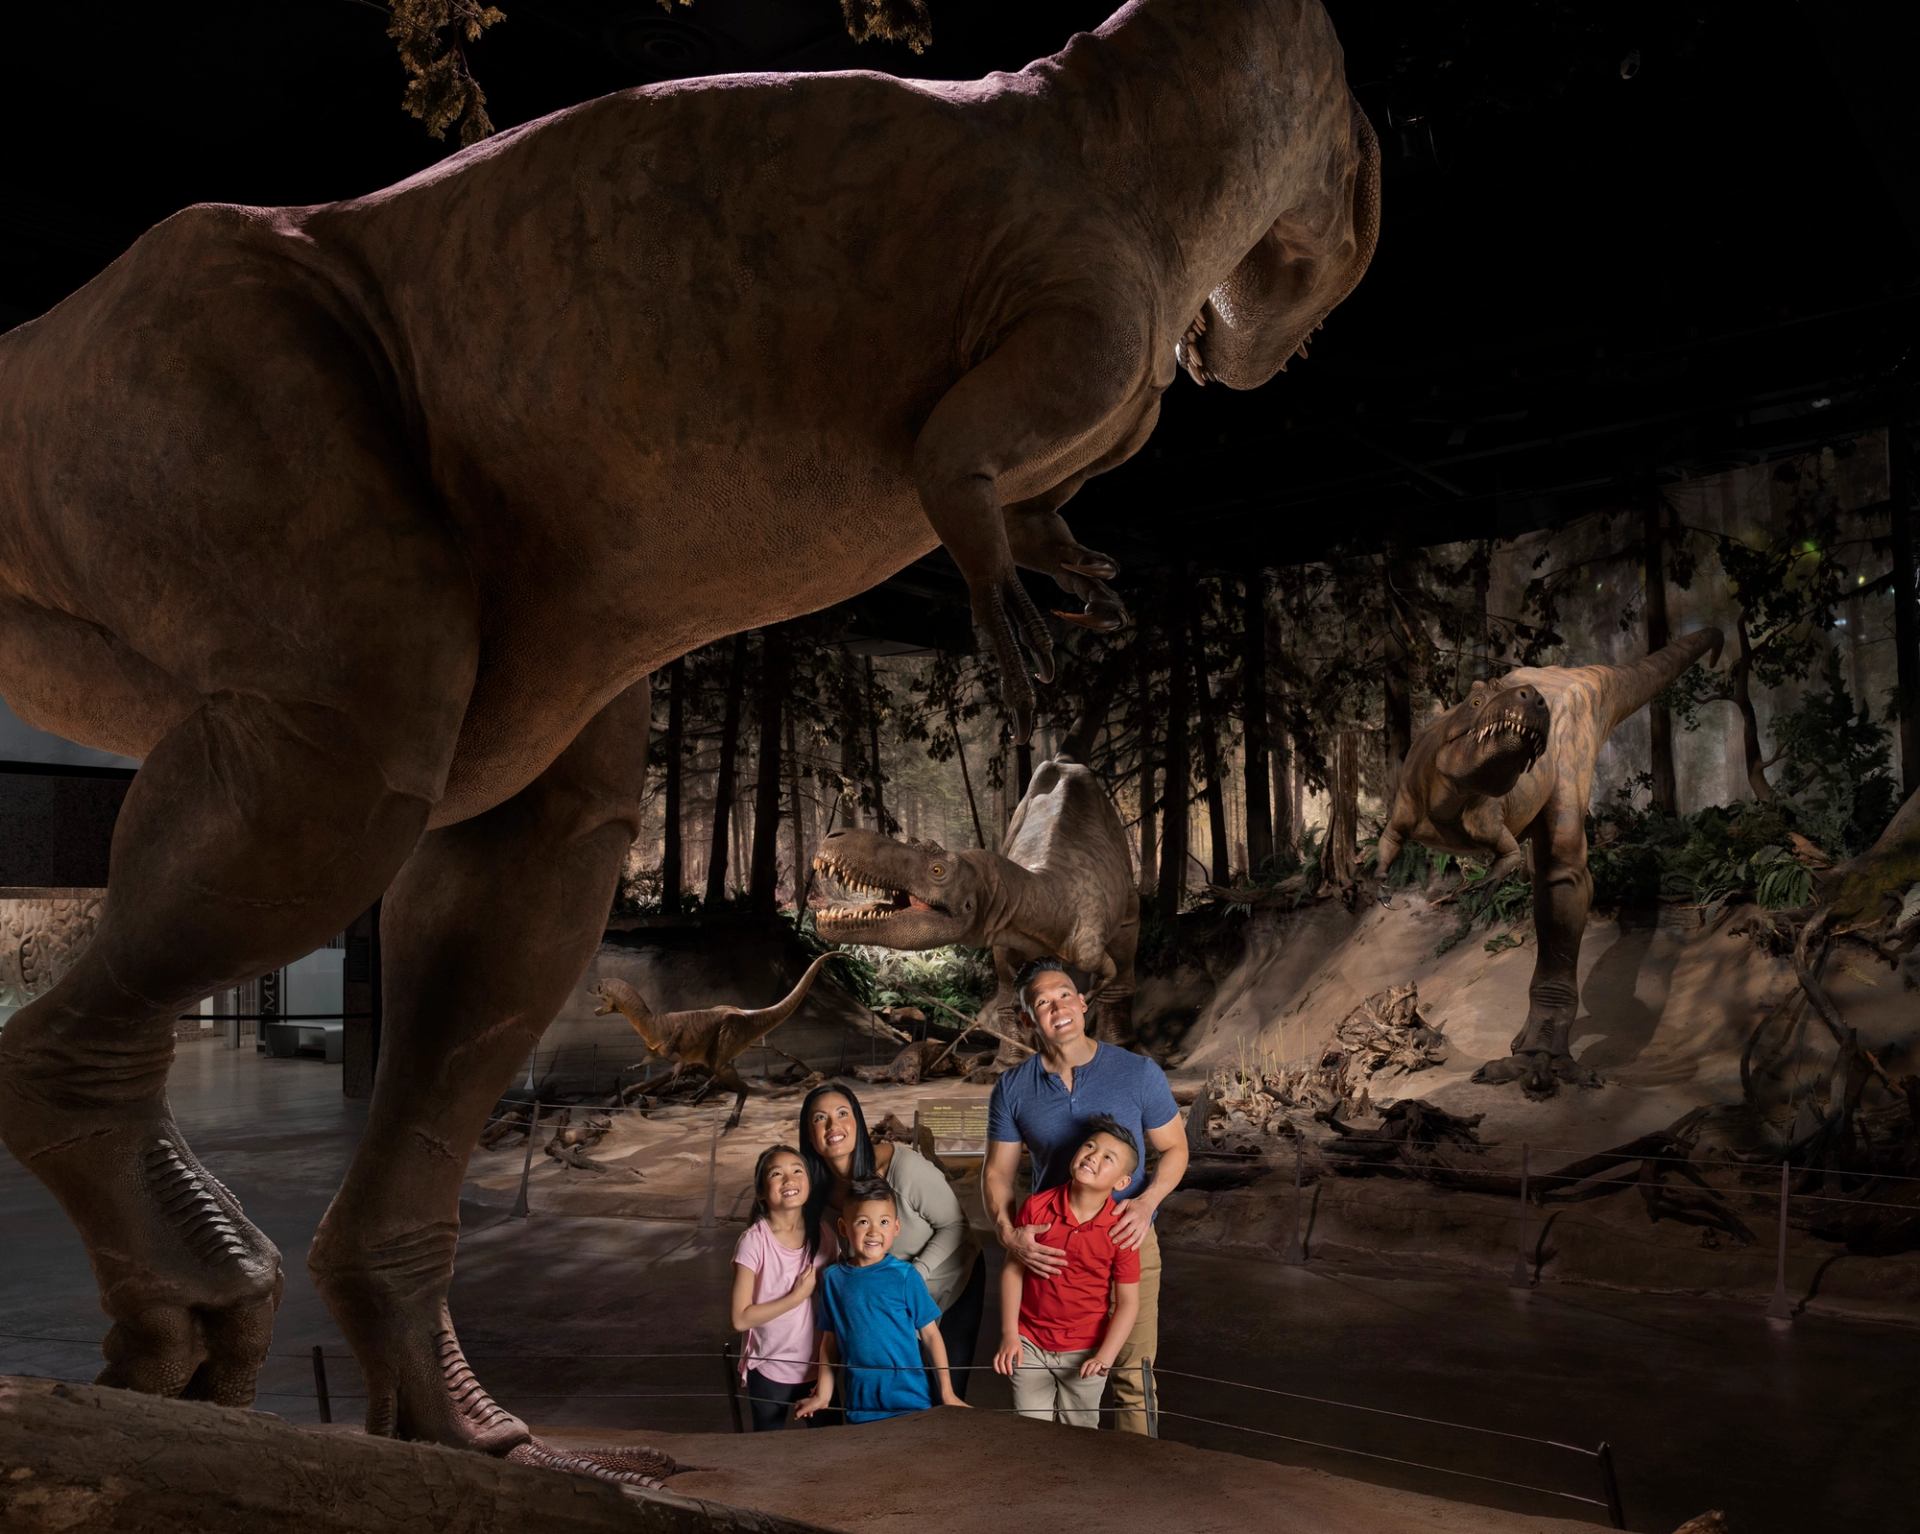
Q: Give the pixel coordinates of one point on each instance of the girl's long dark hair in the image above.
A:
(820, 1176)
(809, 1215)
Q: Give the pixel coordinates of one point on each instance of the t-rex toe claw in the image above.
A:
(628, 1467)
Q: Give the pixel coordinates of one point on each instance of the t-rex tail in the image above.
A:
(1635, 685)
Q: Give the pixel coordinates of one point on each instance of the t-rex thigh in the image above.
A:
(483, 934)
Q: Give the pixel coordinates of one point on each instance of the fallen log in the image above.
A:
(81, 1459)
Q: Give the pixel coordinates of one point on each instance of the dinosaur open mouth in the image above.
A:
(1511, 728)
(1187, 353)
(892, 901)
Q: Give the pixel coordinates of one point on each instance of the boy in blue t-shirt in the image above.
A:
(875, 1315)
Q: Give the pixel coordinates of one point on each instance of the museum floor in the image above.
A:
(1704, 1404)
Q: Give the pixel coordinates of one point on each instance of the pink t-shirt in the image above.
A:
(781, 1349)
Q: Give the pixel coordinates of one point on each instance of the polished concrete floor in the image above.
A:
(618, 1323)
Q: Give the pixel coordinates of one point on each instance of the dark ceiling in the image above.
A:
(1620, 241)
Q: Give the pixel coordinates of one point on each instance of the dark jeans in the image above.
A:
(960, 1330)
(770, 1400)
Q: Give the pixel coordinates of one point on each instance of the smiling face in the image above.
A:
(831, 1127)
(1102, 1164)
(784, 1184)
(1056, 1009)
(868, 1230)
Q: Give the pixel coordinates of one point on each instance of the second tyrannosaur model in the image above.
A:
(1512, 760)
(1061, 884)
(363, 524)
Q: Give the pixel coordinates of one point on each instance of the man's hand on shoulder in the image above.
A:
(1134, 1223)
(1025, 1247)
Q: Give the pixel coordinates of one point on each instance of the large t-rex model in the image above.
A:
(706, 1039)
(1515, 759)
(365, 523)
(1061, 883)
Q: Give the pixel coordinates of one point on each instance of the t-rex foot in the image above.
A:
(190, 1284)
(1539, 1072)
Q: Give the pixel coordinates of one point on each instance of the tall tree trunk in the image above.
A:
(1253, 714)
(723, 774)
(1286, 824)
(1740, 684)
(1219, 848)
(966, 777)
(1149, 805)
(1906, 601)
(850, 749)
(1022, 769)
(1666, 796)
(763, 878)
(800, 862)
(877, 778)
(1397, 675)
(1343, 813)
(1482, 586)
(673, 876)
(1174, 796)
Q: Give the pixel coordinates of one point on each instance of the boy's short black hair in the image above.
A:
(1107, 1124)
(1047, 963)
(871, 1190)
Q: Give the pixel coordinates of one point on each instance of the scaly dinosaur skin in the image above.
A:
(364, 523)
(1515, 759)
(1062, 884)
(709, 1038)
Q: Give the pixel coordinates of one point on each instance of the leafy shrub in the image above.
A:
(1836, 766)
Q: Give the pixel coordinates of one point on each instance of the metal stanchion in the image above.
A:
(1294, 1249)
(728, 1358)
(1780, 1307)
(320, 1384)
(1522, 1275)
(713, 1178)
(1610, 1486)
(521, 1209)
(1152, 1398)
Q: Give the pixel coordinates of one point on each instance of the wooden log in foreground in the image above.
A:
(79, 1459)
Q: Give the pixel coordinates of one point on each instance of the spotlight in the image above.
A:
(1630, 65)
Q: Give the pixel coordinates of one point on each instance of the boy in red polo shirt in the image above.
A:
(1058, 1338)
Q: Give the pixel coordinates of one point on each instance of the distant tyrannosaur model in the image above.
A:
(1062, 884)
(707, 1039)
(365, 523)
(1515, 759)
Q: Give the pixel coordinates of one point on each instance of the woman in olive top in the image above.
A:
(934, 1238)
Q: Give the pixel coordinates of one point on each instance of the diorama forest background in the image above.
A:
(1249, 727)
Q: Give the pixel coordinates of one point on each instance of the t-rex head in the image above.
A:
(1492, 736)
(928, 896)
(1262, 315)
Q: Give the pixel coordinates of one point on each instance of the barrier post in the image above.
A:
(1152, 1398)
(727, 1360)
(713, 1176)
(320, 1384)
(521, 1209)
(1522, 1275)
(1780, 1307)
(1610, 1486)
(1295, 1249)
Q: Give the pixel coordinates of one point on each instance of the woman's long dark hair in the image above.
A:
(809, 1215)
(820, 1176)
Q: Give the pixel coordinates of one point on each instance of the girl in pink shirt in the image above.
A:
(774, 1268)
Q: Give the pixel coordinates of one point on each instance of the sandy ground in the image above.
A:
(967, 1472)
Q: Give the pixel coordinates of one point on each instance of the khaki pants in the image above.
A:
(1048, 1386)
(1136, 1357)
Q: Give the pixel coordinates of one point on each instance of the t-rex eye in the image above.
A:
(939, 871)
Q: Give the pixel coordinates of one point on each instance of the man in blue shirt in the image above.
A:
(1043, 1105)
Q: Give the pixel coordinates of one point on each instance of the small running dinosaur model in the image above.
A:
(364, 524)
(1515, 759)
(1062, 883)
(709, 1039)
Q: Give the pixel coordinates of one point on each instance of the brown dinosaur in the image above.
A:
(708, 1039)
(363, 525)
(1514, 759)
(1061, 883)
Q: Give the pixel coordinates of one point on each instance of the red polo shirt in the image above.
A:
(1068, 1312)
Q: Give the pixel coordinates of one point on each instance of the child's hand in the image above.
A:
(1095, 1365)
(948, 1398)
(803, 1285)
(1008, 1358)
(807, 1406)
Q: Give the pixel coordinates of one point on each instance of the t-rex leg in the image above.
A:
(255, 831)
(1562, 893)
(484, 932)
